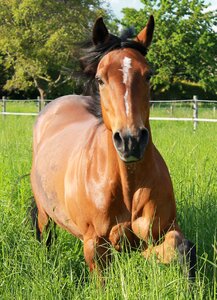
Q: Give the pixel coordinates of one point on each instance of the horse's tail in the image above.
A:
(33, 213)
(32, 210)
(51, 235)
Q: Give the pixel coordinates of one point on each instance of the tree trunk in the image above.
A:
(41, 91)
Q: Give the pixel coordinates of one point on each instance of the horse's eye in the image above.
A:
(99, 80)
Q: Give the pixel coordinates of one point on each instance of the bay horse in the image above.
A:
(96, 172)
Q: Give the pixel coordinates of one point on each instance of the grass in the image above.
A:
(22, 106)
(29, 271)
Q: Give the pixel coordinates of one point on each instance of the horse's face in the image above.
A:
(123, 76)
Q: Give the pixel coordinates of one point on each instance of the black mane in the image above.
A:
(92, 56)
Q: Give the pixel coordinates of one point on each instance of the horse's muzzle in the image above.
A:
(131, 148)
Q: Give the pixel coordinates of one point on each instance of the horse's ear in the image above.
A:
(100, 32)
(146, 35)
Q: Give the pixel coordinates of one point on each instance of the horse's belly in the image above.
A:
(50, 166)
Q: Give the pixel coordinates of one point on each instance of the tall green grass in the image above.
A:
(29, 271)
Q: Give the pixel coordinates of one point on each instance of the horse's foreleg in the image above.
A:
(96, 252)
(173, 246)
(121, 236)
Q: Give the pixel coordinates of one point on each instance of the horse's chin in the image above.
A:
(129, 159)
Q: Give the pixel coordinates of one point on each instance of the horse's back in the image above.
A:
(59, 114)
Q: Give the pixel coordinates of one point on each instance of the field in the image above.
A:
(28, 270)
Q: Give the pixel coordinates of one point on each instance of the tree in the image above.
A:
(37, 40)
(185, 43)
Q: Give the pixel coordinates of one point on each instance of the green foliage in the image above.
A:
(184, 90)
(185, 43)
(37, 40)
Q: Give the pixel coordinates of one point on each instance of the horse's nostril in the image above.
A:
(144, 136)
(118, 140)
(130, 146)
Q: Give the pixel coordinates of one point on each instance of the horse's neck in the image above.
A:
(134, 175)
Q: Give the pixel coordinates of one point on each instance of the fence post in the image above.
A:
(3, 104)
(214, 110)
(171, 109)
(39, 104)
(195, 111)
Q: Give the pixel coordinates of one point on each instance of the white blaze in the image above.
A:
(126, 102)
(126, 66)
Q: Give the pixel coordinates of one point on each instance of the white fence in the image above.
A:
(37, 101)
(194, 104)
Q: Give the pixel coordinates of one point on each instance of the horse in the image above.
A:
(96, 172)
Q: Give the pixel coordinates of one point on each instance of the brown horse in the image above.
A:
(96, 171)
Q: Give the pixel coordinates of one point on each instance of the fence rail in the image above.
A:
(183, 119)
(194, 102)
(18, 114)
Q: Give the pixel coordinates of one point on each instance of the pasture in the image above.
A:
(28, 270)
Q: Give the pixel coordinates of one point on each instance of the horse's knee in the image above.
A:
(122, 237)
(166, 251)
(173, 238)
(187, 254)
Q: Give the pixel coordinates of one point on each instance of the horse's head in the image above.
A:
(123, 76)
